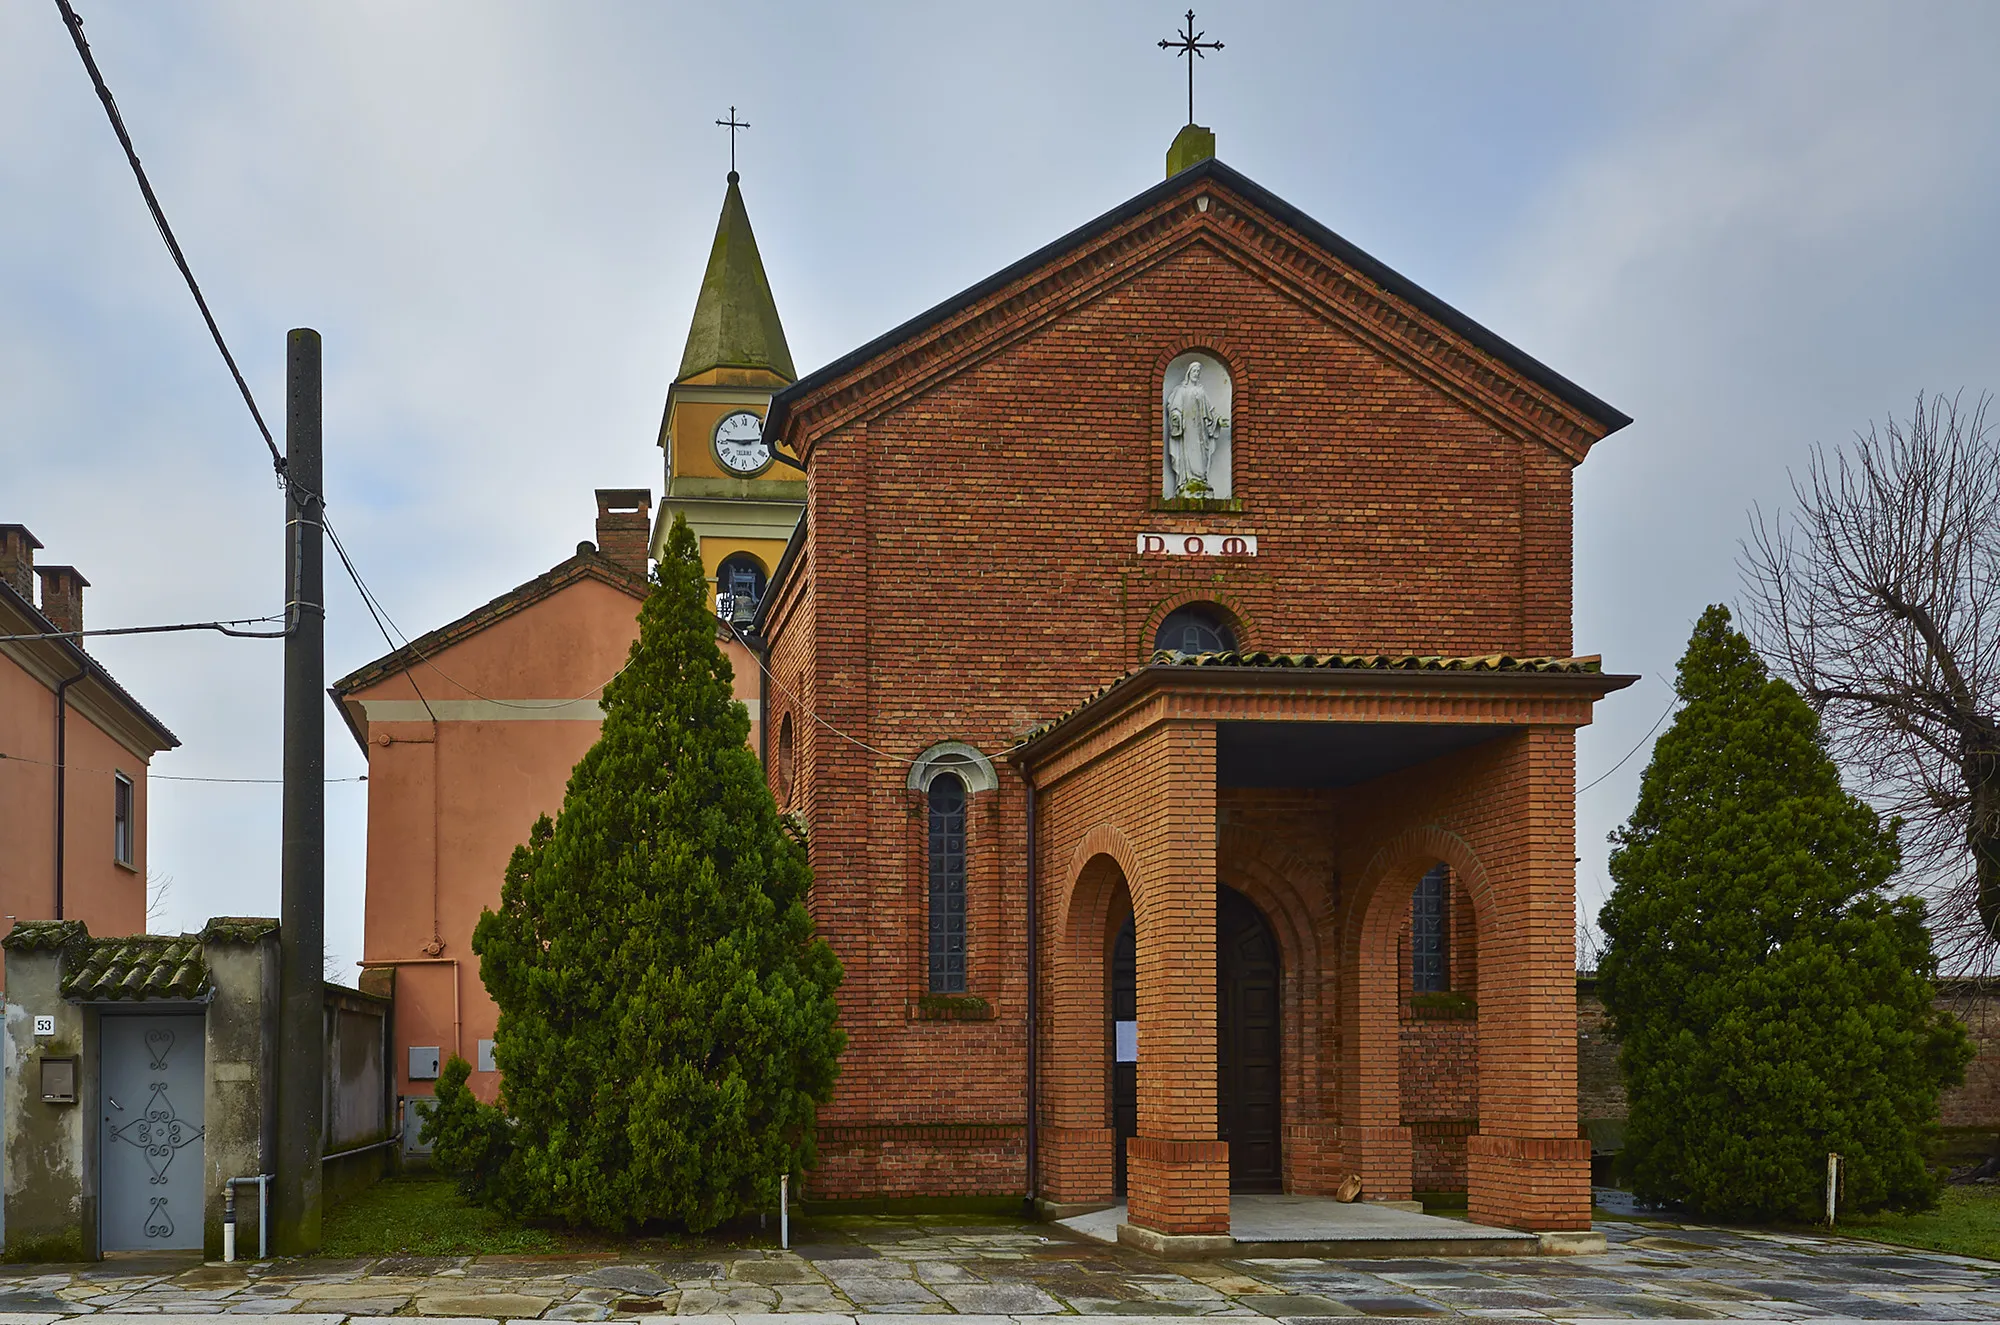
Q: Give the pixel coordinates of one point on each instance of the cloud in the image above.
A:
(1751, 226)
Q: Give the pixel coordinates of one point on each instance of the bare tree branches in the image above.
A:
(1880, 597)
(159, 888)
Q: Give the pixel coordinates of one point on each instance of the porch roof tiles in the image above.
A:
(1165, 662)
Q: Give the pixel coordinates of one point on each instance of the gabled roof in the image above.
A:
(735, 319)
(79, 661)
(590, 565)
(1211, 171)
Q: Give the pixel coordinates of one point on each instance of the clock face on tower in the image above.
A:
(739, 443)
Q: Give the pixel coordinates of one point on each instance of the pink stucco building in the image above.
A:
(76, 750)
(470, 732)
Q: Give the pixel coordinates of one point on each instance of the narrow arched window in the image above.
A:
(947, 880)
(785, 762)
(1196, 628)
(1430, 933)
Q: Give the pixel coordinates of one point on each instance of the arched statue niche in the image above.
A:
(1195, 403)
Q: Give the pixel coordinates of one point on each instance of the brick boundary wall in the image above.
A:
(1969, 1113)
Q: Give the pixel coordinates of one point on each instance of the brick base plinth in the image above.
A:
(1075, 1163)
(1312, 1158)
(1381, 1155)
(1177, 1187)
(1531, 1182)
(904, 1160)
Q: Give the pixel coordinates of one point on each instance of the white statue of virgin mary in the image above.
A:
(1197, 429)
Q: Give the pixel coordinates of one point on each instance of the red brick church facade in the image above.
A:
(1293, 902)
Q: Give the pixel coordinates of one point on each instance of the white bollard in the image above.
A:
(785, 1211)
(1832, 1186)
(228, 1223)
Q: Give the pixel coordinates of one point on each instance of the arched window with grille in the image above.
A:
(1430, 933)
(1195, 628)
(947, 798)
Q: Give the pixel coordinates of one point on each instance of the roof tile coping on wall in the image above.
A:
(45, 935)
(1248, 664)
(140, 966)
(143, 966)
(237, 929)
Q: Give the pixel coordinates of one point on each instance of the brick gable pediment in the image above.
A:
(1213, 214)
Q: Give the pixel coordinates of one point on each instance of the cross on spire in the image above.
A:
(1189, 43)
(733, 124)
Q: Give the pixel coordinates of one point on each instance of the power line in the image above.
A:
(366, 601)
(225, 627)
(75, 26)
(1672, 704)
(164, 777)
(375, 604)
(806, 708)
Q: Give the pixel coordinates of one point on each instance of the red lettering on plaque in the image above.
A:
(1193, 544)
(1234, 547)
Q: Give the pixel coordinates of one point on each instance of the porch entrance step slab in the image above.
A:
(1318, 1226)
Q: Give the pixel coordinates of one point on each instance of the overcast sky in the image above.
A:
(1750, 226)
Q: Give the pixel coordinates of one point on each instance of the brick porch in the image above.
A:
(1322, 790)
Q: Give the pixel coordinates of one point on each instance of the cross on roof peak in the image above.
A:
(733, 124)
(1189, 43)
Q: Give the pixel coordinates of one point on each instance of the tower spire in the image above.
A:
(735, 318)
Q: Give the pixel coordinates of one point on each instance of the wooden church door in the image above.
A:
(1246, 1043)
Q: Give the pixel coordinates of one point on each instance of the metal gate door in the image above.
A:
(150, 1164)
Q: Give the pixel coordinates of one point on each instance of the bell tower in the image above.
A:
(741, 499)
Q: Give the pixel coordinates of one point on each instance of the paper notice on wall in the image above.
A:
(1127, 1041)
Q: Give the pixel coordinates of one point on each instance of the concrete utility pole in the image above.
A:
(302, 911)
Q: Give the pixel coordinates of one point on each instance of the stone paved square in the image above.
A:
(857, 1271)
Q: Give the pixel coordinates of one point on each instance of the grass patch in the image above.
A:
(1966, 1223)
(424, 1215)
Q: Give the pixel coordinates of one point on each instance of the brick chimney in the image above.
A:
(17, 559)
(624, 523)
(62, 596)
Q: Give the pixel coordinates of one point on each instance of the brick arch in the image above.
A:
(1103, 842)
(1223, 347)
(1401, 855)
(1240, 620)
(1100, 881)
(1370, 1014)
(1278, 889)
(1283, 886)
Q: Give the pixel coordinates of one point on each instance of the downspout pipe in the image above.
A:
(1034, 1002)
(62, 773)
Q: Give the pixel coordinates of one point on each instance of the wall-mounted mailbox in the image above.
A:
(423, 1062)
(58, 1080)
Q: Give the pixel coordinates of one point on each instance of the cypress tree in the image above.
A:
(1772, 1000)
(667, 1019)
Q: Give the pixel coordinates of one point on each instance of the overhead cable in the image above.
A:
(75, 26)
(165, 777)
